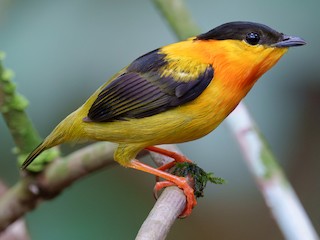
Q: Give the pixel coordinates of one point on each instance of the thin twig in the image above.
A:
(167, 208)
(177, 15)
(163, 215)
(271, 181)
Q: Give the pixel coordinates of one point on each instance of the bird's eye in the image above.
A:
(253, 38)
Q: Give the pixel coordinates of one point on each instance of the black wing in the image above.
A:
(143, 90)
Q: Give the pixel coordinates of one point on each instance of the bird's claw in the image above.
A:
(160, 185)
(188, 191)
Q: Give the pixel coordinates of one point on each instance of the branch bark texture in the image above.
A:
(17, 230)
(32, 189)
(167, 208)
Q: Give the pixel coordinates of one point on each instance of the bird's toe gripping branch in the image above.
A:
(184, 174)
(195, 177)
(187, 190)
(172, 180)
(175, 156)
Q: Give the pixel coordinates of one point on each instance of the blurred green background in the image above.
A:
(61, 51)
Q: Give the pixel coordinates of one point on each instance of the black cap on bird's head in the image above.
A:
(252, 33)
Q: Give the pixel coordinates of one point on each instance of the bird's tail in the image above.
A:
(41, 147)
(67, 130)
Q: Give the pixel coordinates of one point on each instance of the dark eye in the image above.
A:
(253, 38)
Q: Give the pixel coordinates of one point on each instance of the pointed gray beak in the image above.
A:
(289, 41)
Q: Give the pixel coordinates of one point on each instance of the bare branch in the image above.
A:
(162, 216)
(17, 230)
(34, 188)
(271, 181)
(167, 208)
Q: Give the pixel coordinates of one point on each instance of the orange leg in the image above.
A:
(176, 156)
(159, 186)
(181, 182)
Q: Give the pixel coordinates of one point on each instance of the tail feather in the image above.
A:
(33, 155)
(67, 130)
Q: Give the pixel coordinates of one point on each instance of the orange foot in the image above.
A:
(187, 190)
(172, 180)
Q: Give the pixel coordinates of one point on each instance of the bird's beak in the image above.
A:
(289, 41)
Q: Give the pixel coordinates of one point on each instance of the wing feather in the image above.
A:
(143, 90)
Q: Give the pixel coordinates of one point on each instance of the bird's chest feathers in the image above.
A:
(206, 112)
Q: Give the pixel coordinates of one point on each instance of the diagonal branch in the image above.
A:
(32, 189)
(17, 229)
(167, 208)
(163, 215)
(279, 195)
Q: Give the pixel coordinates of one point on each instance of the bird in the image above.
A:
(174, 94)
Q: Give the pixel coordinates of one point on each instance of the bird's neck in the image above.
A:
(241, 69)
(236, 69)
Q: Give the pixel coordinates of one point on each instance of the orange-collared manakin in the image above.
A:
(176, 93)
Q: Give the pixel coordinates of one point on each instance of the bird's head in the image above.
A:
(252, 34)
(249, 48)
